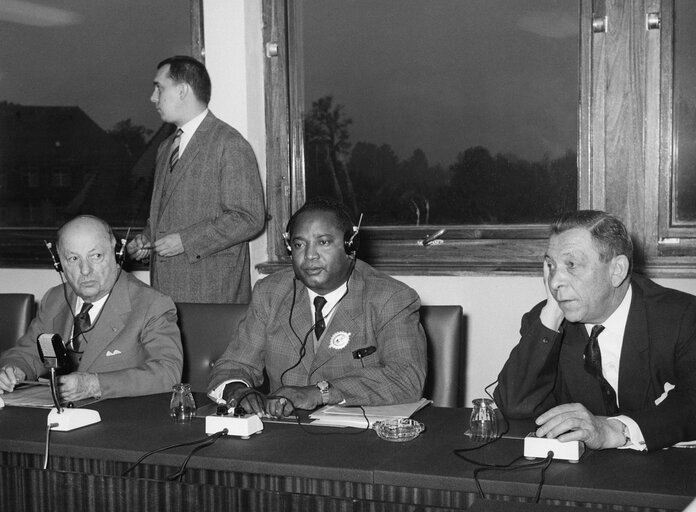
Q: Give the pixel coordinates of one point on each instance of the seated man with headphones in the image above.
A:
(121, 335)
(330, 330)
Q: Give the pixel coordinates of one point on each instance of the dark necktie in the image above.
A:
(593, 366)
(174, 154)
(319, 324)
(81, 323)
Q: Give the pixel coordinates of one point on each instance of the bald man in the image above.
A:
(128, 343)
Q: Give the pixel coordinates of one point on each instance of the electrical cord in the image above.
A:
(48, 437)
(165, 448)
(210, 441)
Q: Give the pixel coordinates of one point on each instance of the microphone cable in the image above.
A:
(303, 341)
(172, 446)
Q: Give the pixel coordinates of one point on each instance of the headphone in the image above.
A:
(351, 242)
(120, 254)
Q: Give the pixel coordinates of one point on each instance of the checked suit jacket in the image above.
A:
(214, 199)
(377, 310)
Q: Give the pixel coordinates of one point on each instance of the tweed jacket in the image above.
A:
(546, 368)
(134, 347)
(214, 199)
(376, 311)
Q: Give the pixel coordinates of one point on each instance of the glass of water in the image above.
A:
(483, 423)
(182, 407)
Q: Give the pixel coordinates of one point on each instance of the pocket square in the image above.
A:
(110, 353)
(668, 387)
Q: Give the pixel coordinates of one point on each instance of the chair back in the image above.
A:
(444, 329)
(206, 330)
(16, 312)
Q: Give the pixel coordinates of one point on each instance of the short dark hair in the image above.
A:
(324, 204)
(189, 70)
(608, 232)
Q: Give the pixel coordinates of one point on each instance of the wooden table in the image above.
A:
(287, 467)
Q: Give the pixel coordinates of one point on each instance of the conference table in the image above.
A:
(303, 467)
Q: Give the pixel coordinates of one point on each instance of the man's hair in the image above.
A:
(324, 204)
(189, 70)
(105, 225)
(608, 232)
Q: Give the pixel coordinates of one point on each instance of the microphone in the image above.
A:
(55, 357)
(364, 352)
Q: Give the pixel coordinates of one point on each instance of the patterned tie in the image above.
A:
(81, 323)
(319, 324)
(593, 366)
(174, 154)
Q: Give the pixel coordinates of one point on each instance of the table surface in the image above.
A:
(131, 427)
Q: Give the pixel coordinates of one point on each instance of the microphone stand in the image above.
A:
(54, 390)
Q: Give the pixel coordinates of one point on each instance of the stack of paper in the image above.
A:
(342, 416)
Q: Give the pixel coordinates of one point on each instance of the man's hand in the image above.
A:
(573, 422)
(169, 245)
(78, 386)
(9, 377)
(139, 247)
(245, 397)
(307, 397)
(551, 314)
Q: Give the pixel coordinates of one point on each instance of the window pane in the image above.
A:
(77, 131)
(684, 189)
(449, 112)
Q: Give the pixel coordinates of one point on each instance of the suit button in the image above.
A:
(544, 340)
(198, 256)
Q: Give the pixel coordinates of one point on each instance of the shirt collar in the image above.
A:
(617, 320)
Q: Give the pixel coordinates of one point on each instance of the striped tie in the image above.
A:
(174, 155)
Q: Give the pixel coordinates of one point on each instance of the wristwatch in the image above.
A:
(324, 387)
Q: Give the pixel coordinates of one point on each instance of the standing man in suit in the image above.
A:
(207, 200)
(124, 340)
(330, 330)
(609, 357)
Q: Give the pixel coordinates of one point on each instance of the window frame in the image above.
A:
(23, 247)
(507, 249)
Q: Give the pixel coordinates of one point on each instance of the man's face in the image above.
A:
(166, 96)
(87, 256)
(579, 281)
(318, 256)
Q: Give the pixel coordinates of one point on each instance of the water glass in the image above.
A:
(182, 407)
(483, 423)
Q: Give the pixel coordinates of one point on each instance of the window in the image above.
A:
(455, 115)
(629, 154)
(677, 227)
(78, 133)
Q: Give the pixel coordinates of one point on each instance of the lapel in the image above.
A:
(577, 385)
(185, 164)
(109, 324)
(634, 368)
(346, 318)
(63, 321)
(301, 322)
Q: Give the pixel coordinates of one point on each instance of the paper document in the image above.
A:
(342, 416)
(36, 394)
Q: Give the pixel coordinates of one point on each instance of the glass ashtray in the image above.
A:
(398, 429)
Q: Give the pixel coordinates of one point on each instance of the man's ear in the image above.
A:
(619, 270)
(184, 90)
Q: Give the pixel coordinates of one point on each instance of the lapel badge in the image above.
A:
(339, 340)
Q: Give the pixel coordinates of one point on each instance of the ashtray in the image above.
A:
(398, 429)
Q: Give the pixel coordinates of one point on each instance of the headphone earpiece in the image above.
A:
(286, 239)
(121, 253)
(350, 243)
(54, 258)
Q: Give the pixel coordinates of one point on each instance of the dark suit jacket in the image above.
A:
(134, 347)
(377, 311)
(214, 199)
(546, 368)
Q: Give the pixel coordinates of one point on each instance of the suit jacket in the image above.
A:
(546, 368)
(214, 199)
(134, 347)
(376, 311)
